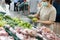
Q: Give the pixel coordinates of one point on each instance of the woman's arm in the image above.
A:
(46, 22)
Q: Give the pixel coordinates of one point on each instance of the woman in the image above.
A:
(47, 14)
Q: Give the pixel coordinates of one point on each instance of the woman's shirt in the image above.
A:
(47, 14)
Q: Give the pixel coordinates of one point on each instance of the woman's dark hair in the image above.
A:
(50, 1)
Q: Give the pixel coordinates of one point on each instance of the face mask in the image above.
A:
(44, 4)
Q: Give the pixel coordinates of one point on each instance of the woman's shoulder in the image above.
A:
(53, 8)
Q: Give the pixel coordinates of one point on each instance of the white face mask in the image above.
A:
(45, 4)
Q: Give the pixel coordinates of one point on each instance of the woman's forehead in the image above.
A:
(43, 0)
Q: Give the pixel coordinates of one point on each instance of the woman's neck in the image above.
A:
(49, 5)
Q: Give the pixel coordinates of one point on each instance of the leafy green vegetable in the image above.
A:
(2, 23)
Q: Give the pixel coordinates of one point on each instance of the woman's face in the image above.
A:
(45, 3)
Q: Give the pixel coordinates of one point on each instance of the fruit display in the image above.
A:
(5, 19)
(11, 34)
(47, 33)
(19, 33)
(4, 35)
(21, 23)
(22, 34)
(16, 29)
(41, 33)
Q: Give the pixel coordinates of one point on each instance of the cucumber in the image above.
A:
(11, 34)
(39, 38)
